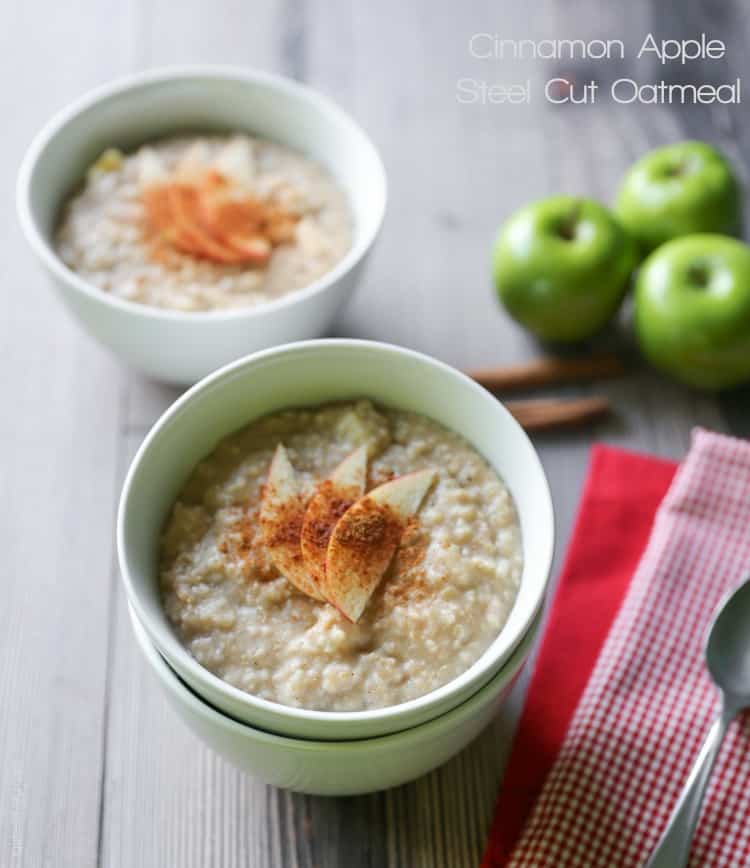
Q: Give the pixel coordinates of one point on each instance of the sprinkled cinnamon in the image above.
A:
(377, 531)
(319, 529)
(244, 543)
(204, 217)
(406, 581)
(287, 526)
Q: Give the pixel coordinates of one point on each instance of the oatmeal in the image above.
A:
(205, 223)
(419, 599)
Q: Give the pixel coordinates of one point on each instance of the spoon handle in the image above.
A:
(673, 849)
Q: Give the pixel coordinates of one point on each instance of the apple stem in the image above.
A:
(698, 276)
(567, 228)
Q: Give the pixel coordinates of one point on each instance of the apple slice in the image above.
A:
(282, 510)
(237, 223)
(172, 211)
(193, 236)
(331, 500)
(366, 538)
(254, 249)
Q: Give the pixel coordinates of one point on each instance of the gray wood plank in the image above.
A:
(59, 441)
(454, 171)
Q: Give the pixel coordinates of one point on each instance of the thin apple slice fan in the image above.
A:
(366, 538)
(331, 500)
(282, 512)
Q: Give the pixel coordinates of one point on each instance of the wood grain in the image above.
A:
(60, 447)
(96, 768)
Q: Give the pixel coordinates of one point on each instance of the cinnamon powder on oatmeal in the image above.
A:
(205, 218)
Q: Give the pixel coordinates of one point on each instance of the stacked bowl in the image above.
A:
(320, 751)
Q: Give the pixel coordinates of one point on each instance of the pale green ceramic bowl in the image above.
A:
(179, 346)
(330, 768)
(311, 373)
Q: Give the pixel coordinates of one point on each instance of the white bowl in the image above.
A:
(311, 373)
(175, 346)
(342, 768)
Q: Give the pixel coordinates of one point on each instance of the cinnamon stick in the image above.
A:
(546, 371)
(555, 413)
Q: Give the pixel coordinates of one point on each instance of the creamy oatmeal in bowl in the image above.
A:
(205, 222)
(192, 215)
(389, 613)
(336, 539)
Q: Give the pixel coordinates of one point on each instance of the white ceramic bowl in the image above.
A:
(176, 346)
(341, 768)
(311, 373)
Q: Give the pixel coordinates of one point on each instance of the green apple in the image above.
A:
(561, 267)
(692, 310)
(679, 190)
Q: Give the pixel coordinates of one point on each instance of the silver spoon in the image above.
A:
(728, 660)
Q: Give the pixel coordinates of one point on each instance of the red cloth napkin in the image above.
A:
(620, 700)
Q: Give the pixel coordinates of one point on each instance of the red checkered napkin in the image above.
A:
(620, 699)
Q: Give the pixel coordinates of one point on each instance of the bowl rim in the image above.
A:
(175, 685)
(165, 75)
(167, 639)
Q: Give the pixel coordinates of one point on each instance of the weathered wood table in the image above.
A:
(95, 768)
